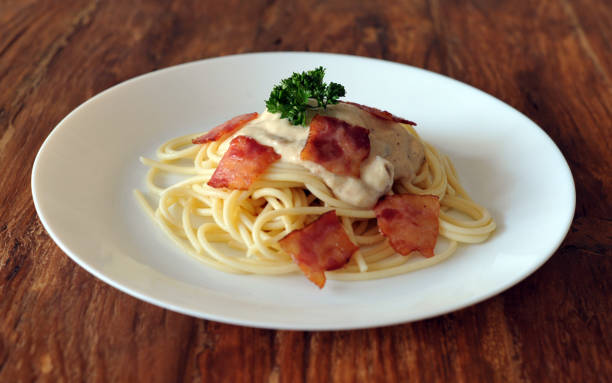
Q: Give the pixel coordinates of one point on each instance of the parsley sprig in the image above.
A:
(292, 97)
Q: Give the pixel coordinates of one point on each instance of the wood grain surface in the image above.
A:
(552, 60)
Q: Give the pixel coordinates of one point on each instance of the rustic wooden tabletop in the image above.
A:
(551, 60)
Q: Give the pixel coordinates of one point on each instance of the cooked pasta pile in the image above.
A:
(204, 220)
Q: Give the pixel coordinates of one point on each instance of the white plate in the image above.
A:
(85, 172)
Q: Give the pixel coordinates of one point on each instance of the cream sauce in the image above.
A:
(394, 153)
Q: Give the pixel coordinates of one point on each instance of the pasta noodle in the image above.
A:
(202, 220)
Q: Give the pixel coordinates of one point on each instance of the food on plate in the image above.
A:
(331, 188)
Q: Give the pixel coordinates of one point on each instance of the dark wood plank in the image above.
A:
(550, 60)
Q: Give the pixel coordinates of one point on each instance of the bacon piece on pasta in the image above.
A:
(382, 114)
(226, 129)
(410, 222)
(336, 145)
(244, 161)
(320, 246)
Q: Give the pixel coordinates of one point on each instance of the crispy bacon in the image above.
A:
(336, 145)
(382, 114)
(244, 161)
(226, 129)
(410, 222)
(320, 246)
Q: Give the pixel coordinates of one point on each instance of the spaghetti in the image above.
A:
(203, 220)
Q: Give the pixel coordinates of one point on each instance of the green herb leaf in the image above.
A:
(292, 97)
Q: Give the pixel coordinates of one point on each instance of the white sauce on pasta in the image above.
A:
(394, 153)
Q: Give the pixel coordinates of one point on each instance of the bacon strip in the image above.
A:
(336, 145)
(382, 114)
(243, 162)
(320, 246)
(226, 129)
(410, 222)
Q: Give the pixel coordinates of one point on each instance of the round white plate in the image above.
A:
(85, 172)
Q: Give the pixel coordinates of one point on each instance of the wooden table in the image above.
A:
(551, 60)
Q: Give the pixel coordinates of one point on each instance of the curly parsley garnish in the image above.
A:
(294, 95)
